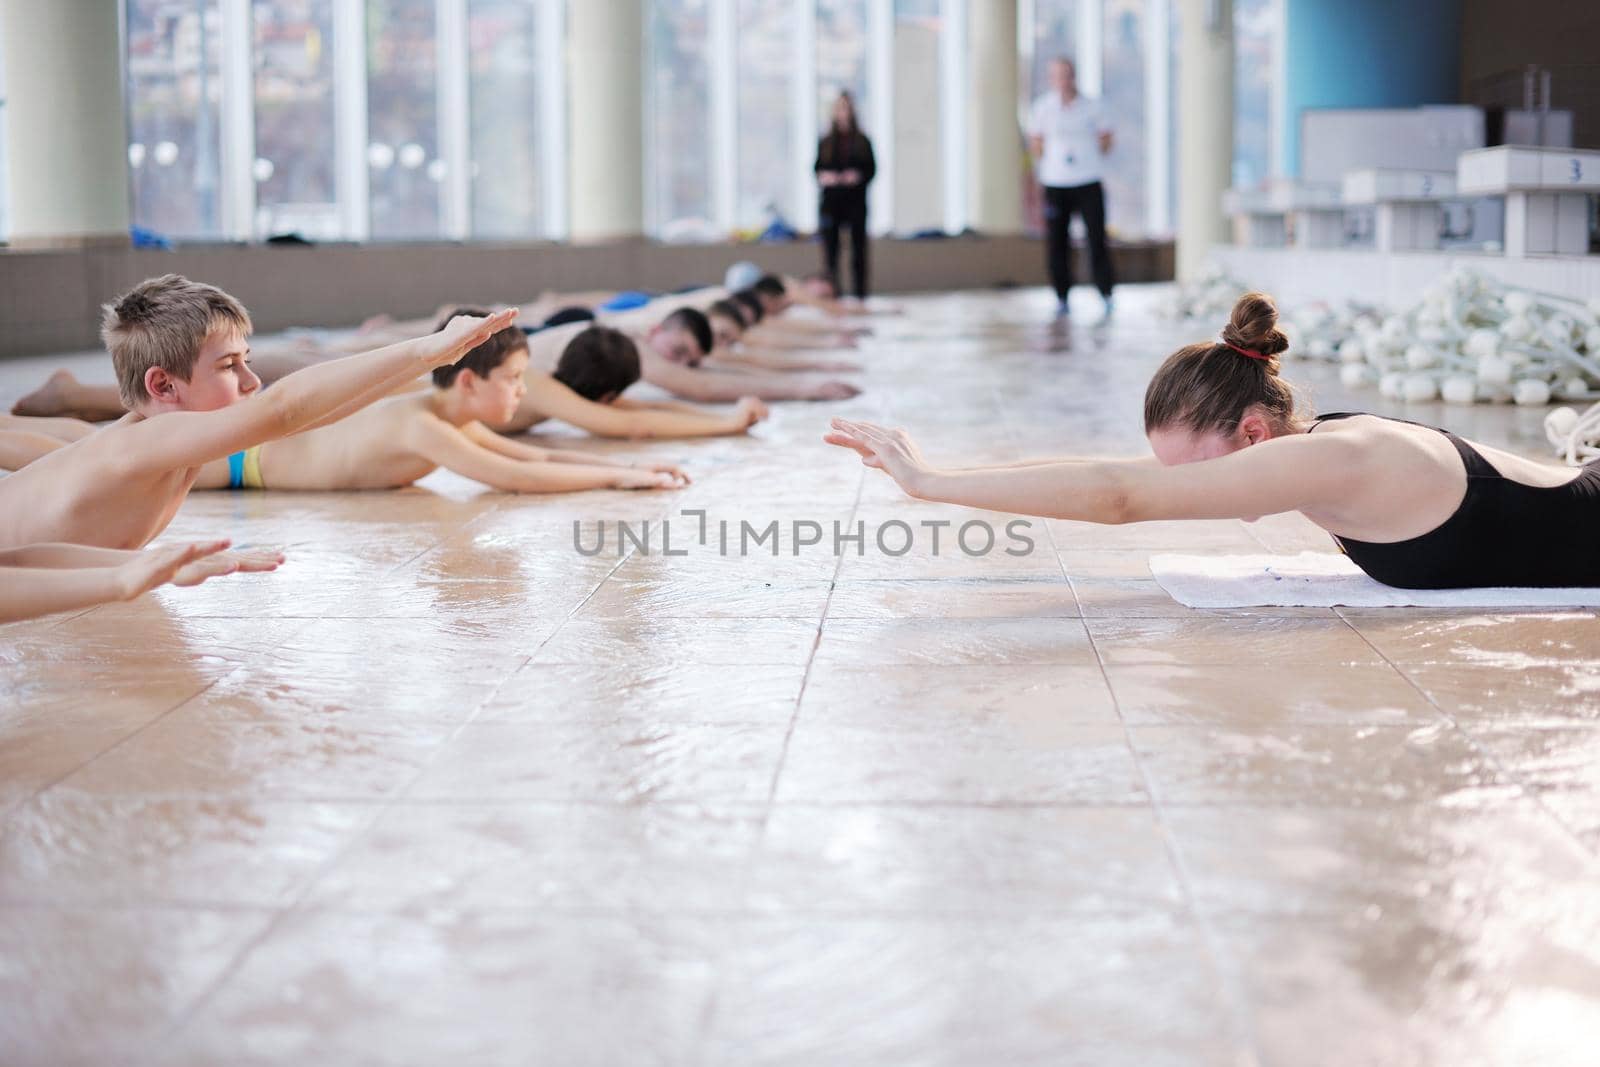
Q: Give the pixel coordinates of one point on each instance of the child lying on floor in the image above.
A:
(559, 353)
(182, 365)
(396, 441)
(583, 390)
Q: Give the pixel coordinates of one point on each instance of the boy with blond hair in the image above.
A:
(183, 368)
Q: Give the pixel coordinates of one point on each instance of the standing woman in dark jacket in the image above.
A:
(844, 168)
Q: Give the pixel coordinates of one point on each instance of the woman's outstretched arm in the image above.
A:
(1283, 474)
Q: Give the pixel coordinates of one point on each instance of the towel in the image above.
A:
(1325, 580)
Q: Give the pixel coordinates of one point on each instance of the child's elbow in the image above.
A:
(284, 412)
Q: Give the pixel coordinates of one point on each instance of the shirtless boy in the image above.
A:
(182, 366)
(583, 390)
(670, 347)
(396, 441)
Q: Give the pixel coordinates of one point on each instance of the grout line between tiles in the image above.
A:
(1240, 1015)
(381, 806)
(1484, 753)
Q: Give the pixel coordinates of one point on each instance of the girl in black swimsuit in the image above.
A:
(1505, 532)
(1229, 444)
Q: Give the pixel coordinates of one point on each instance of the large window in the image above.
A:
(294, 169)
(1256, 25)
(842, 57)
(1054, 35)
(1122, 102)
(407, 174)
(766, 59)
(503, 38)
(1126, 56)
(174, 94)
(678, 125)
(425, 119)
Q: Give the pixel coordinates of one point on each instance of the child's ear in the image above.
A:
(608, 398)
(159, 385)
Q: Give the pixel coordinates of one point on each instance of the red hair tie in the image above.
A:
(1247, 352)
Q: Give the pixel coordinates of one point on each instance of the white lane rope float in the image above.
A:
(1575, 437)
(1469, 339)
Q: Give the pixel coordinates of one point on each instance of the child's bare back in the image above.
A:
(93, 492)
(371, 449)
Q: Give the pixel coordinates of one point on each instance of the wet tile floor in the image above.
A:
(445, 790)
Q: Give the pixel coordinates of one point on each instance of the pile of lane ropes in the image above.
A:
(1469, 339)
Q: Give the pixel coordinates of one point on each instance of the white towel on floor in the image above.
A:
(1325, 580)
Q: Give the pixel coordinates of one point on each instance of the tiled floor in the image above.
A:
(445, 791)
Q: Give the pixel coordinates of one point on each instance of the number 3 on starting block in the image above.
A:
(1577, 170)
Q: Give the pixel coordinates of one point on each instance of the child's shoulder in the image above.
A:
(116, 438)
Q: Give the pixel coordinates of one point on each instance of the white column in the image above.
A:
(350, 118)
(1205, 128)
(605, 105)
(453, 93)
(802, 208)
(67, 149)
(723, 46)
(994, 140)
(953, 98)
(1157, 117)
(1090, 59)
(880, 123)
(554, 209)
(238, 110)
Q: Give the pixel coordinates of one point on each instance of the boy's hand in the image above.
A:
(677, 472)
(750, 411)
(249, 561)
(633, 478)
(256, 560)
(179, 564)
(834, 390)
(461, 335)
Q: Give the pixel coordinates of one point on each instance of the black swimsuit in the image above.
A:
(1504, 533)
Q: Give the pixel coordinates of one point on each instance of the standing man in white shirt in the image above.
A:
(1067, 135)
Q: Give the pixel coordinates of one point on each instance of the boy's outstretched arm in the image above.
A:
(26, 592)
(713, 386)
(764, 360)
(439, 442)
(628, 403)
(61, 556)
(301, 401)
(554, 400)
(480, 434)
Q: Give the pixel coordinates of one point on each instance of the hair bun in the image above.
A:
(1254, 325)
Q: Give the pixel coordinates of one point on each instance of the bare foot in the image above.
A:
(377, 322)
(51, 399)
